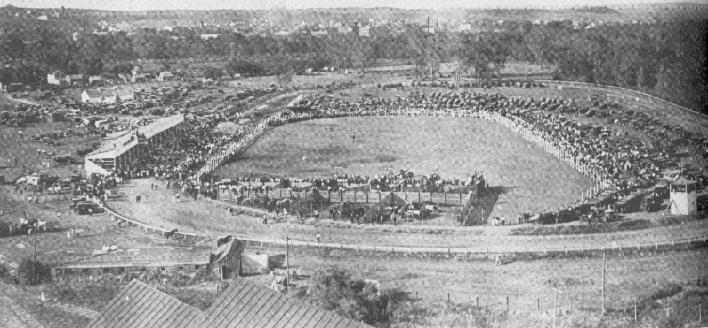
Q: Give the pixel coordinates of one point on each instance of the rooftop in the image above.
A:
(139, 305)
(119, 144)
(242, 305)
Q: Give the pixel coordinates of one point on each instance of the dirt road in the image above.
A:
(211, 219)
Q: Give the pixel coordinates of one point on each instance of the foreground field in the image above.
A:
(454, 148)
(530, 288)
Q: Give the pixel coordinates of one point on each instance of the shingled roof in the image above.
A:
(139, 305)
(242, 305)
(246, 305)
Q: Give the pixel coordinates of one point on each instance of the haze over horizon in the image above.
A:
(140, 5)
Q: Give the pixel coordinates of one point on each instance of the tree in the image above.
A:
(32, 273)
(285, 79)
(359, 300)
(486, 53)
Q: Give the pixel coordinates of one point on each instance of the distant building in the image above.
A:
(165, 76)
(96, 80)
(208, 36)
(364, 30)
(139, 77)
(74, 79)
(56, 78)
(106, 96)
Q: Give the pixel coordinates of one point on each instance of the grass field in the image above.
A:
(530, 287)
(451, 147)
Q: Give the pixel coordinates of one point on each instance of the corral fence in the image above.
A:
(356, 196)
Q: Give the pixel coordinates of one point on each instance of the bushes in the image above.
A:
(32, 273)
(359, 300)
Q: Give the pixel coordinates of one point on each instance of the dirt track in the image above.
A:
(211, 219)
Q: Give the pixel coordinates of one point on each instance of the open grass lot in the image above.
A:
(452, 147)
(530, 285)
(95, 231)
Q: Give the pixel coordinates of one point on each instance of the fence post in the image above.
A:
(477, 301)
(700, 313)
(635, 311)
(538, 304)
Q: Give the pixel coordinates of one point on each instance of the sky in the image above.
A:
(131, 5)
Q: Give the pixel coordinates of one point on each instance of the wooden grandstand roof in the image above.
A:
(139, 305)
(246, 305)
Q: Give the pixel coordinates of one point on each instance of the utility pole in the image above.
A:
(604, 268)
(34, 254)
(287, 263)
(555, 308)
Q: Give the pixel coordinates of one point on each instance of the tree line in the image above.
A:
(667, 59)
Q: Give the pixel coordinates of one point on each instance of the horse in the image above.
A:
(170, 233)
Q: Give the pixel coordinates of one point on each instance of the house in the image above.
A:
(138, 77)
(205, 81)
(56, 78)
(96, 80)
(364, 30)
(106, 96)
(165, 76)
(208, 36)
(74, 79)
(123, 77)
(244, 304)
(139, 305)
(91, 96)
(226, 260)
(15, 87)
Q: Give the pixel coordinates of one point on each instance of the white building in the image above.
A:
(106, 96)
(165, 76)
(683, 197)
(56, 78)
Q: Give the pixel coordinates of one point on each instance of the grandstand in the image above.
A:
(118, 151)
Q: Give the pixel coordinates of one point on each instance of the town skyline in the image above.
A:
(137, 5)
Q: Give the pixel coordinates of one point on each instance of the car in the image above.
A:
(84, 208)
